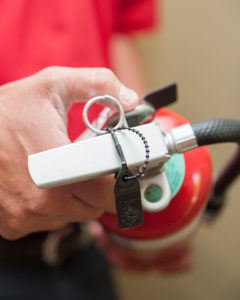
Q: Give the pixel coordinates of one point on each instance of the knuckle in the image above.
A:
(40, 203)
(6, 231)
(49, 72)
(105, 78)
(37, 207)
(87, 213)
(17, 219)
(11, 235)
(18, 226)
(47, 79)
(56, 225)
(95, 214)
(81, 210)
(107, 72)
(17, 211)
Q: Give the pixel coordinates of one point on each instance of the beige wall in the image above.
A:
(199, 47)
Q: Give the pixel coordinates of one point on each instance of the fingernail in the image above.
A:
(128, 98)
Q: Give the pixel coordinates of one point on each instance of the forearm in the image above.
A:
(126, 63)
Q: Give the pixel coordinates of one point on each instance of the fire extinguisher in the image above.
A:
(176, 189)
(167, 230)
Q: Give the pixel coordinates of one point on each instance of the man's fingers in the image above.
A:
(98, 192)
(81, 84)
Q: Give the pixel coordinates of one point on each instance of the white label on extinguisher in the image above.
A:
(160, 243)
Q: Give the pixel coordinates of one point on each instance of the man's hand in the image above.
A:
(33, 118)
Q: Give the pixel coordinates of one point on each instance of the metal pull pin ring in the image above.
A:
(107, 98)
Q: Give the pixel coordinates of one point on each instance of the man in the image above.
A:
(36, 35)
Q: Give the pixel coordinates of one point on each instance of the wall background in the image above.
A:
(199, 47)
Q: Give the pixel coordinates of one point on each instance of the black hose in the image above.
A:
(217, 131)
(226, 177)
(220, 131)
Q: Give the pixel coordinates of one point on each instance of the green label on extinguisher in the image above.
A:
(175, 170)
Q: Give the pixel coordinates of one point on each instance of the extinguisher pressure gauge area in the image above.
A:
(158, 183)
(158, 190)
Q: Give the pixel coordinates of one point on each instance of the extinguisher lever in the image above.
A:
(162, 96)
(144, 112)
(96, 157)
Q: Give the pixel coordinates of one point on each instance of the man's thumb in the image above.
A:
(81, 84)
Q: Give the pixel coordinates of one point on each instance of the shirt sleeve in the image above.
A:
(136, 15)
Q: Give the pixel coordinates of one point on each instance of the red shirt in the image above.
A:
(35, 34)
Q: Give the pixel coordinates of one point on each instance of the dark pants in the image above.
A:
(85, 276)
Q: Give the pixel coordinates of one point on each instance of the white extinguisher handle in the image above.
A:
(96, 157)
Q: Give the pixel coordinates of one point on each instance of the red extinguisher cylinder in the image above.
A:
(168, 231)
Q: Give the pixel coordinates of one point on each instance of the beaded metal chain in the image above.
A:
(142, 170)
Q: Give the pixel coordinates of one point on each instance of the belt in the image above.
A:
(52, 248)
